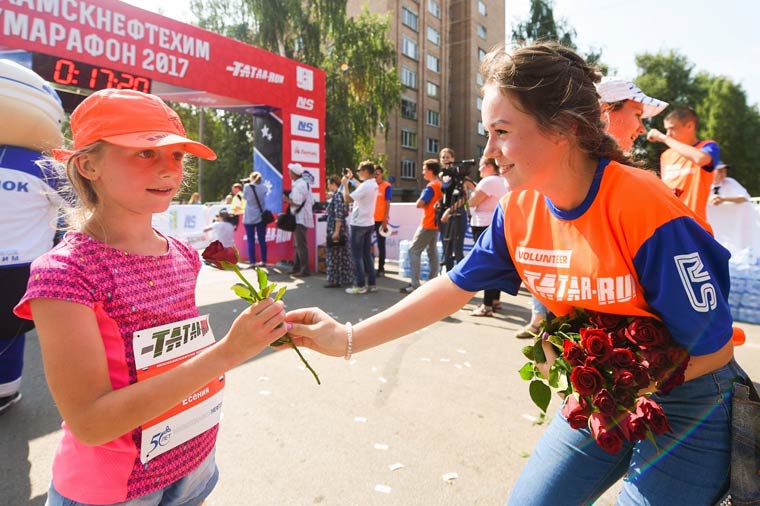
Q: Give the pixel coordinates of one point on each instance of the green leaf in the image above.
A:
(266, 291)
(528, 371)
(524, 455)
(554, 375)
(262, 275)
(243, 292)
(563, 383)
(528, 352)
(280, 293)
(556, 341)
(540, 393)
(538, 353)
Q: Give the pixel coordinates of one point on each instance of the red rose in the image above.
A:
(624, 379)
(622, 358)
(605, 403)
(597, 343)
(656, 360)
(576, 412)
(586, 380)
(606, 320)
(618, 338)
(646, 332)
(675, 378)
(625, 398)
(573, 353)
(642, 376)
(653, 414)
(634, 427)
(215, 253)
(607, 435)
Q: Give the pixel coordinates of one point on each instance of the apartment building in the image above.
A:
(439, 45)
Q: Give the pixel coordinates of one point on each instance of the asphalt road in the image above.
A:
(439, 417)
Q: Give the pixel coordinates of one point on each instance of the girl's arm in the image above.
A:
(433, 301)
(77, 373)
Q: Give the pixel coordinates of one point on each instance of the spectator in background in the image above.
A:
(726, 189)
(300, 201)
(222, 228)
(255, 197)
(237, 203)
(687, 164)
(340, 267)
(382, 213)
(426, 236)
(483, 203)
(362, 225)
(624, 106)
(195, 198)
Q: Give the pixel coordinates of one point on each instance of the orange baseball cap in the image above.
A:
(130, 119)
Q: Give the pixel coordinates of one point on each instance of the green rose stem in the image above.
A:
(266, 290)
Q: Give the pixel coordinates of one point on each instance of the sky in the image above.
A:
(716, 36)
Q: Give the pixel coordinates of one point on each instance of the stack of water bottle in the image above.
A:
(744, 298)
(403, 261)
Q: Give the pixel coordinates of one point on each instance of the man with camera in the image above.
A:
(456, 187)
(362, 225)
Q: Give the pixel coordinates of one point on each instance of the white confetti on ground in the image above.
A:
(467, 364)
(445, 360)
(450, 477)
(396, 466)
(265, 392)
(461, 351)
(263, 378)
(385, 489)
(458, 366)
(425, 359)
(382, 380)
(352, 362)
(360, 419)
(528, 417)
(381, 446)
(374, 369)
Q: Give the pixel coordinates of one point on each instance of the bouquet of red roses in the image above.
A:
(226, 259)
(606, 368)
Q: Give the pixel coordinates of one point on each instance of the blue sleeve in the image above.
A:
(489, 264)
(712, 149)
(427, 195)
(248, 192)
(684, 273)
(389, 193)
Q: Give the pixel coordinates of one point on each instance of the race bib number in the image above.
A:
(158, 350)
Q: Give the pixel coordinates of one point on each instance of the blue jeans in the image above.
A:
(361, 251)
(191, 490)
(689, 466)
(253, 232)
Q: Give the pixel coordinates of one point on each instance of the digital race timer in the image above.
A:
(83, 75)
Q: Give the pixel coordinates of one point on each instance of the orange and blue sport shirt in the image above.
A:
(430, 195)
(630, 248)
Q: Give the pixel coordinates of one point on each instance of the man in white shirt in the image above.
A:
(300, 201)
(362, 226)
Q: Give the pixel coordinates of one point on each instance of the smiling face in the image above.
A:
(131, 181)
(624, 123)
(527, 156)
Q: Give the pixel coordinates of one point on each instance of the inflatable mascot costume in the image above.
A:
(32, 115)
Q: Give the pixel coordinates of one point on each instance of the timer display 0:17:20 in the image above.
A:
(83, 75)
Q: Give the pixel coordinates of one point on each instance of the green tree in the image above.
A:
(362, 83)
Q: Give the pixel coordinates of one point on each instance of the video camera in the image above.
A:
(453, 181)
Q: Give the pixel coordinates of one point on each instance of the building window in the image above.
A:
(432, 145)
(408, 169)
(482, 31)
(433, 36)
(409, 47)
(408, 108)
(481, 130)
(481, 151)
(433, 63)
(409, 78)
(479, 80)
(433, 118)
(482, 8)
(408, 139)
(433, 90)
(409, 18)
(481, 54)
(434, 8)
(479, 103)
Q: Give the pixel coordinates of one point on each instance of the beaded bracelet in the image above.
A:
(350, 341)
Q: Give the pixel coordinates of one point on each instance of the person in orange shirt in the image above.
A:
(382, 213)
(687, 166)
(426, 235)
(573, 229)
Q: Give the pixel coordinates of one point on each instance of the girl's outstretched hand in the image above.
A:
(252, 331)
(315, 329)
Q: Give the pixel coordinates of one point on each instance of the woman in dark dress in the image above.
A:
(340, 267)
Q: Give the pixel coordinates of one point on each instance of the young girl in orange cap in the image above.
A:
(132, 367)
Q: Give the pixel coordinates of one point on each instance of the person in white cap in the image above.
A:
(300, 202)
(624, 105)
